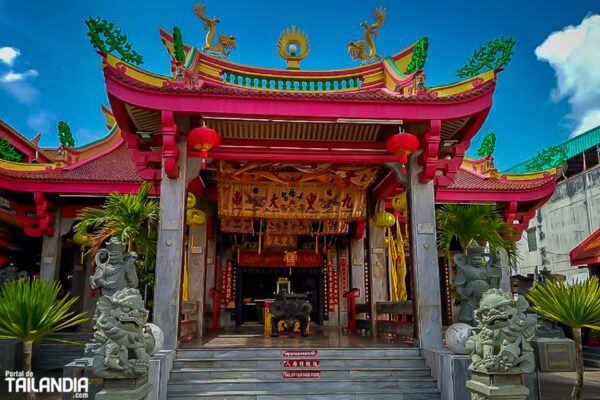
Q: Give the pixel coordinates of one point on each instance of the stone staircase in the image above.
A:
(51, 355)
(324, 373)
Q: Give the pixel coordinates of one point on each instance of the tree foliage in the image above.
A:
(30, 309)
(178, 45)
(488, 145)
(576, 306)
(481, 223)
(493, 55)
(65, 137)
(8, 151)
(550, 157)
(132, 218)
(114, 40)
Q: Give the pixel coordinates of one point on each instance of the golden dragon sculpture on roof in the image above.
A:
(225, 43)
(358, 49)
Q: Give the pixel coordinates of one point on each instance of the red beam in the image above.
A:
(388, 187)
(268, 155)
(332, 145)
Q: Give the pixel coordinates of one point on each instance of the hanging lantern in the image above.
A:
(402, 144)
(384, 220)
(203, 139)
(195, 217)
(191, 200)
(399, 203)
(80, 238)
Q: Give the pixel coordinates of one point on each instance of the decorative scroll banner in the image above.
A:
(237, 225)
(227, 282)
(253, 259)
(302, 200)
(288, 227)
(280, 241)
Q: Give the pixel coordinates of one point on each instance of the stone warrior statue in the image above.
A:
(114, 269)
(123, 341)
(473, 279)
(500, 341)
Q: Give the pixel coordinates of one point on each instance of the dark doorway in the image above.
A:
(258, 284)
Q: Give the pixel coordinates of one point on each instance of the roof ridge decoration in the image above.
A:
(114, 40)
(419, 56)
(293, 46)
(494, 55)
(225, 43)
(358, 49)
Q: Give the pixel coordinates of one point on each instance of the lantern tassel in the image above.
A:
(403, 169)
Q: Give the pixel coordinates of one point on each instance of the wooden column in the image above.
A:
(426, 276)
(197, 269)
(357, 249)
(378, 277)
(51, 252)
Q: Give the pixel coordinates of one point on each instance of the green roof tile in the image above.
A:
(575, 145)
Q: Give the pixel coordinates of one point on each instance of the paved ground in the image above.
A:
(558, 385)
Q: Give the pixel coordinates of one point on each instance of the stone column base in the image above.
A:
(497, 387)
(125, 389)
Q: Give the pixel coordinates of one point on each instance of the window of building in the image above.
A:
(531, 240)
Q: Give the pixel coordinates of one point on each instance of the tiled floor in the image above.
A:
(252, 337)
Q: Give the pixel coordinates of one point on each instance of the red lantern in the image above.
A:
(203, 139)
(402, 144)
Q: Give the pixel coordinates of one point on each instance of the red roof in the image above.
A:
(379, 94)
(588, 251)
(467, 180)
(115, 166)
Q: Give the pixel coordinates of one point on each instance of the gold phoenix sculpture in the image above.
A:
(364, 50)
(225, 43)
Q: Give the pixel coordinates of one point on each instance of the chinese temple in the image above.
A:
(321, 182)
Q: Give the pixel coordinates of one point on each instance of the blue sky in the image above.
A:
(52, 73)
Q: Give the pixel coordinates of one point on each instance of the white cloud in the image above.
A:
(573, 53)
(8, 55)
(12, 76)
(23, 92)
(43, 122)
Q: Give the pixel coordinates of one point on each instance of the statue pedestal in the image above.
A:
(554, 354)
(497, 387)
(125, 389)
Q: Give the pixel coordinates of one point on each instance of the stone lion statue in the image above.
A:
(499, 343)
(123, 344)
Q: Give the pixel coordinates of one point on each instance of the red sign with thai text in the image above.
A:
(301, 363)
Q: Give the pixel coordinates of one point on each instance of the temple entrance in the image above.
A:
(259, 286)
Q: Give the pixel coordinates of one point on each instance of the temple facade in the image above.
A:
(271, 179)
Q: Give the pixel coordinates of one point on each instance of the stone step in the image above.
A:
(301, 385)
(407, 394)
(277, 353)
(185, 374)
(324, 362)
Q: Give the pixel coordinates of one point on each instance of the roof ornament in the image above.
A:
(494, 55)
(114, 40)
(293, 47)
(225, 43)
(358, 50)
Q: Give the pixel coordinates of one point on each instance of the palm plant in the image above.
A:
(132, 218)
(576, 306)
(30, 310)
(481, 223)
